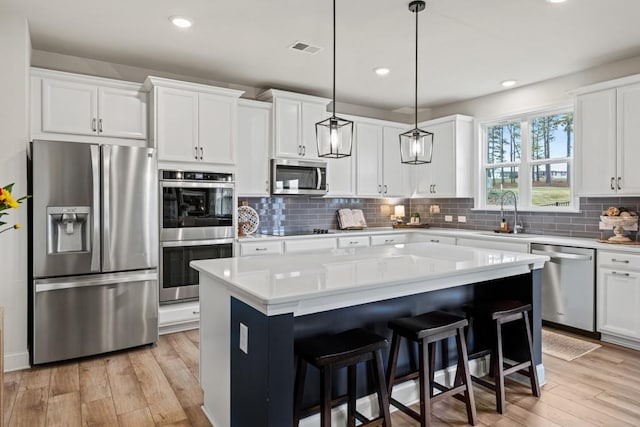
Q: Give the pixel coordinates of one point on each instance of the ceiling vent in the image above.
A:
(305, 47)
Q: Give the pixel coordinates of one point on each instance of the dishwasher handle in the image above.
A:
(560, 255)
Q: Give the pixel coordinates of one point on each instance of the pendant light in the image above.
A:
(334, 135)
(416, 145)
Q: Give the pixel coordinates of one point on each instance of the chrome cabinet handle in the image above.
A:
(100, 125)
(389, 240)
(304, 150)
(434, 188)
(612, 179)
(196, 150)
(299, 150)
(385, 189)
(353, 243)
(434, 241)
(623, 261)
(620, 274)
(379, 188)
(619, 186)
(93, 125)
(261, 249)
(201, 152)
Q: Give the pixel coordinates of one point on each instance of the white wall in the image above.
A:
(15, 49)
(539, 95)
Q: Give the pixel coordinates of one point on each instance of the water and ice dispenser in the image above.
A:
(68, 229)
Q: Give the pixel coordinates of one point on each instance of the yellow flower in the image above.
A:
(8, 199)
(16, 226)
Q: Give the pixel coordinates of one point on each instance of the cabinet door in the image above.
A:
(395, 174)
(443, 164)
(177, 125)
(69, 107)
(341, 177)
(368, 159)
(252, 178)
(287, 132)
(596, 143)
(628, 177)
(216, 128)
(618, 301)
(122, 113)
(311, 114)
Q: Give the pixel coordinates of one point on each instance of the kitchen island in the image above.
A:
(253, 308)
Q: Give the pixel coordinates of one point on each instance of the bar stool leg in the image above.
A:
(463, 367)
(393, 361)
(325, 402)
(299, 389)
(533, 372)
(383, 398)
(432, 365)
(425, 386)
(499, 370)
(351, 395)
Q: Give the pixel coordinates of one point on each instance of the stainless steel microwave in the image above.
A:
(298, 177)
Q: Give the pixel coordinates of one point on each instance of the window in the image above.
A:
(531, 155)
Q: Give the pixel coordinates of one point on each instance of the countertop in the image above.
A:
(310, 282)
(461, 233)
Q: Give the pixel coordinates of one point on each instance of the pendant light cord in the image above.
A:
(416, 93)
(334, 58)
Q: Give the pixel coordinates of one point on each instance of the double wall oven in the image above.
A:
(197, 222)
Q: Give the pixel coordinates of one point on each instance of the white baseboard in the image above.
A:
(16, 361)
(178, 317)
(624, 342)
(178, 327)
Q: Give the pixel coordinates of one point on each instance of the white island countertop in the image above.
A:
(318, 281)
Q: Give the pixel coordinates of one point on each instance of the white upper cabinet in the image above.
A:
(379, 170)
(192, 122)
(67, 106)
(254, 134)
(607, 134)
(294, 120)
(450, 172)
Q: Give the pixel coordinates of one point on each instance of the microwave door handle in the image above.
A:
(319, 186)
(95, 211)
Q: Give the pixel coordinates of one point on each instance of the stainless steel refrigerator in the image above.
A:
(94, 227)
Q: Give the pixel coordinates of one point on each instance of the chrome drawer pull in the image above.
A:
(434, 241)
(620, 274)
(261, 249)
(623, 261)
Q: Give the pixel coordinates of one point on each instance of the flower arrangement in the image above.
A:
(7, 201)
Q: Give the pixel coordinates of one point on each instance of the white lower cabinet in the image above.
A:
(388, 239)
(618, 298)
(260, 248)
(314, 244)
(353, 242)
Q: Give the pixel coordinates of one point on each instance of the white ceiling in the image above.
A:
(466, 46)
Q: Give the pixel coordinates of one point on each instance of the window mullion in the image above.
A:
(524, 183)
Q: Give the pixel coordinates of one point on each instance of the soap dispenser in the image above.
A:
(503, 226)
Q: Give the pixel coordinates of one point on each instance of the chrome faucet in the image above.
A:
(517, 227)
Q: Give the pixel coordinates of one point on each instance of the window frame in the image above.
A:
(525, 162)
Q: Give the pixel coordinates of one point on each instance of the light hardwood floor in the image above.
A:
(158, 387)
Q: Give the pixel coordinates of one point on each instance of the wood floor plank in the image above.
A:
(64, 410)
(125, 387)
(140, 418)
(11, 387)
(187, 351)
(30, 409)
(194, 336)
(196, 416)
(99, 413)
(184, 384)
(35, 378)
(94, 382)
(163, 403)
(64, 379)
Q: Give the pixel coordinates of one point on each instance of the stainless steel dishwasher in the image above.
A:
(568, 286)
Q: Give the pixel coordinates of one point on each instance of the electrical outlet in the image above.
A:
(434, 209)
(244, 338)
(448, 218)
(462, 218)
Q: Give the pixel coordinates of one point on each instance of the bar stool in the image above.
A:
(426, 330)
(502, 312)
(330, 352)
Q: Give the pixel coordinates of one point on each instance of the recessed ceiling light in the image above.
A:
(181, 21)
(556, 1)
(508, 83)
(381, 71)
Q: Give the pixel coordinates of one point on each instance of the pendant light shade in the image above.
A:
(416, 145)
(334, 135)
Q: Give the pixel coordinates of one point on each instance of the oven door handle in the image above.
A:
(177, 244)
(191, 184)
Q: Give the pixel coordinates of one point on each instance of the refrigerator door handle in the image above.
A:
(95, 240)
(106, 194)
(59, 284)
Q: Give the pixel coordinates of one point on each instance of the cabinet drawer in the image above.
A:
(317, 244)
(260, 248)
(447, 240)
(352, 242)
(493, 244)
(619, 260)
(388, 239)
